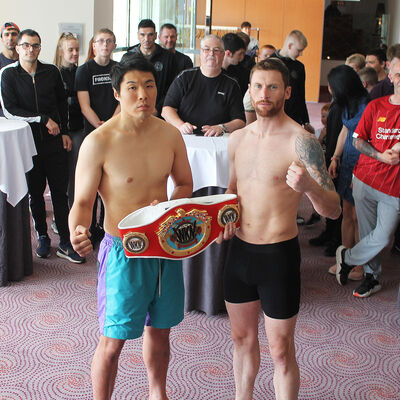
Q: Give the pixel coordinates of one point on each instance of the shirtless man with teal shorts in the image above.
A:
(128, 161)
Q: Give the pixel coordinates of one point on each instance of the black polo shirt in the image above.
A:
(205, 101)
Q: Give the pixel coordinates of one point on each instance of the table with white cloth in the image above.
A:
(203, 273)
(17, 148)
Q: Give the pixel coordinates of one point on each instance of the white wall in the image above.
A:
(44, 16)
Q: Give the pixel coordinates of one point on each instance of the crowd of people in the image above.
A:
(108, 135)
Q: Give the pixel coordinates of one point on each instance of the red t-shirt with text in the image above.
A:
(380, 126)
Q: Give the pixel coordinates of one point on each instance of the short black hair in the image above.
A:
(146, 23)
(245, 24)
(28, 32)
(130, 62)
(378, 53)
(233, 42)
(168, 26)
(273, 64)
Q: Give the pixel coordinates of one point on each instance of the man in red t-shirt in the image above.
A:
(376, 187)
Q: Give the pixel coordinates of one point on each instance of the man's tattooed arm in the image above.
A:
(364, 147)
(311, 155)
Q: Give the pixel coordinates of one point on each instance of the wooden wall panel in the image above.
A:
(276, 18)
(268, 16)
(228, 12)
(308, 18)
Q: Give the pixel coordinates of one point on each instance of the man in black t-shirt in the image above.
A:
(97, 101)
(168, 36)
(235, 50)
(163, 60)
(204, 100)
(93, 83)
(295, 106)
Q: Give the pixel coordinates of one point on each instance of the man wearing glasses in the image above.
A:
(204, 100)
(164, 61)
(34, 92)
(96, 99)
(93, 82)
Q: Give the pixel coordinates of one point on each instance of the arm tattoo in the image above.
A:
(364, 147)
(310, 154)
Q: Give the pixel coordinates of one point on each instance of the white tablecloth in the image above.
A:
(208, 159)
(17, 148)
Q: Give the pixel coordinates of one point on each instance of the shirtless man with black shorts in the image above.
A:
(273, 161)
(128, 160)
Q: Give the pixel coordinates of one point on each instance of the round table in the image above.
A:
(17, 148)
(208, 159)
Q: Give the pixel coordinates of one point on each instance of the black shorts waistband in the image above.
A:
(268, 247)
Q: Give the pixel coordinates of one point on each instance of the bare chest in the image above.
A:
(267, 164)
(130, 167)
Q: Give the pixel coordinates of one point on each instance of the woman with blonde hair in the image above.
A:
(66, 59)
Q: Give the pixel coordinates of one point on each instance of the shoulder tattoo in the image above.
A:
(310, 154)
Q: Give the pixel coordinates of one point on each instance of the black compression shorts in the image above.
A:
(266, 272)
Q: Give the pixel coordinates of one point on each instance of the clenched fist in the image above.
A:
(80, 241)
(298, 178)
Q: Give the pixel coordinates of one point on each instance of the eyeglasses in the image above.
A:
(102, 41)
(207, 50)
(26, 46)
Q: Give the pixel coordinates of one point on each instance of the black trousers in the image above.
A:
(53, 169)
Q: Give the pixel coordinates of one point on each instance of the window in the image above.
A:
(181, 13)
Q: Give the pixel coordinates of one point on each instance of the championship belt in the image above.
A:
(177, 229)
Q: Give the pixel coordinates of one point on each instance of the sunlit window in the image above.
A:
(181, 13)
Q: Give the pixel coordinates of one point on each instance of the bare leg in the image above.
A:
(355, 223)
(350, 237)
(348, 226)
(105, 367)
(156, 358)
(280, 333)
(246, 355)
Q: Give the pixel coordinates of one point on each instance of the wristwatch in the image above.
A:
(224, 128)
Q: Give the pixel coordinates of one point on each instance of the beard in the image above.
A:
(274, 110)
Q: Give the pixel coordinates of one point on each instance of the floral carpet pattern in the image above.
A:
(347, 348)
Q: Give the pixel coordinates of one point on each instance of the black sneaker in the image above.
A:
(43, 250)
(342, 269)
(315, 217)
(368, 287)
(66, 251)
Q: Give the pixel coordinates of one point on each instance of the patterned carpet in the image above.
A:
(347, 348)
